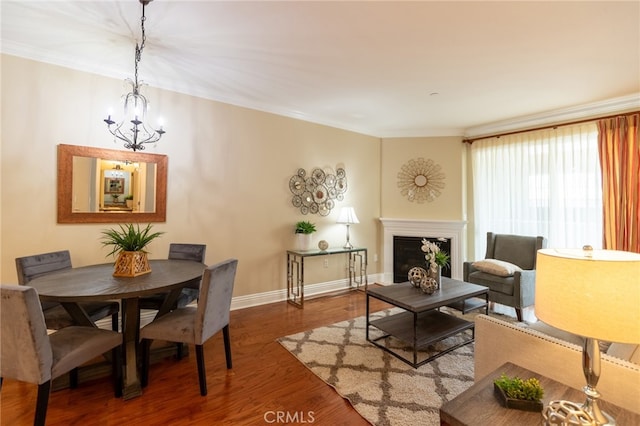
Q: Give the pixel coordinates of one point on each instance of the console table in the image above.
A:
(357, 269)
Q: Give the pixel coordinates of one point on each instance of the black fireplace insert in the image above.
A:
(407, 253)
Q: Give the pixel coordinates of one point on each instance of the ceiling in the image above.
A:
(386, 69)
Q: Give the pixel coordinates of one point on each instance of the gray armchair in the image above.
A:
(513, 286)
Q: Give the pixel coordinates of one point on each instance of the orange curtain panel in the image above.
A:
(619, 150)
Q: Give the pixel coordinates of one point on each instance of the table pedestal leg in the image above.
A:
(130, 332)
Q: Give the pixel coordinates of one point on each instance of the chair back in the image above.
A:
(517, 249)
(30, 267)
(195, 252)
(215, 299)
(26, 353)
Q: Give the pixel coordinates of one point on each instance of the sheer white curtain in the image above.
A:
(544, 182)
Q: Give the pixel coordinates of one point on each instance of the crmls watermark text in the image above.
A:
(289, 417)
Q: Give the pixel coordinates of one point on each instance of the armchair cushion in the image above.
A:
(495, 283)
(496, 267)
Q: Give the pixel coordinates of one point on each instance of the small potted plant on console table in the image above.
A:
(304, 229)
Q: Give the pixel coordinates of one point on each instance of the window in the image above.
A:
(544, 182)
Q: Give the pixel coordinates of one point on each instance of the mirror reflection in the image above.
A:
(109, 186)
(103, 185)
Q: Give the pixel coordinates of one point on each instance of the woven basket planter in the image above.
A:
(131, 264)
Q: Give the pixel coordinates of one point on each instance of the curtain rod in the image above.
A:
(551, 126)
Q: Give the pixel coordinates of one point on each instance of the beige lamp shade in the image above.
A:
(347, 215)
(592, 293)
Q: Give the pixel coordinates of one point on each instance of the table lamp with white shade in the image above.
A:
(594, 294)
(347, 216)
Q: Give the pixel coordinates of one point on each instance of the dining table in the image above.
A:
(73, 286)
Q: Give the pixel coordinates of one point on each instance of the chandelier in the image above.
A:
(133, 128)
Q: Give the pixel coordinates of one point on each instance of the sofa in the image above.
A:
(557, 355)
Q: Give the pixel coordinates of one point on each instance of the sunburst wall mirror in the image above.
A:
(421, 180)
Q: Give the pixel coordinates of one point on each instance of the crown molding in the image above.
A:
(559, 116)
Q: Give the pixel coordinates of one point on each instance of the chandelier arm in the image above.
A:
(140, 133)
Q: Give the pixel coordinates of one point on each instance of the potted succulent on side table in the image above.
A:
(128, 242)
(129, 200)
(513, 392)
(303, 231)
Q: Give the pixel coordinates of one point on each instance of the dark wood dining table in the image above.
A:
(97, 283)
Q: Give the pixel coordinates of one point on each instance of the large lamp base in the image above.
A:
(347, 245)
(591, 369)
(567, 412)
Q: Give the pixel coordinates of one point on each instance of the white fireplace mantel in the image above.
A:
(452, 229)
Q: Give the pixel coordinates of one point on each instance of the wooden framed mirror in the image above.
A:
(98, 185)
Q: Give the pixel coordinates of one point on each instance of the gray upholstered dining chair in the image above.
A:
(508, 269)
(55, 316)
(190, 292)
(195, 325)
(29, 355)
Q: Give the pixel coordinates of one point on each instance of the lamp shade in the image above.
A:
(347, 215)
(592, 293)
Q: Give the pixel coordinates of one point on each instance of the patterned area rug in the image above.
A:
(383, 389)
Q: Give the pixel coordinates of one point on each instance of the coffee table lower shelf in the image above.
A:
(419, 331)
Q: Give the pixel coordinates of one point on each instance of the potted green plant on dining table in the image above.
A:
(128, 242)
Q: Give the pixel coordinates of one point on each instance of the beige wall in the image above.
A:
(229, 169)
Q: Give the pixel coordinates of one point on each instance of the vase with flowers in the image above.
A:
(436, 260)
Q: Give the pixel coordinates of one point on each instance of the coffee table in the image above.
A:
(422, 323)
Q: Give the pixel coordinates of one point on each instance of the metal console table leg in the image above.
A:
(295, 279)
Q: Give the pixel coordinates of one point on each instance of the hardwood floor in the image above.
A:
(266, 380)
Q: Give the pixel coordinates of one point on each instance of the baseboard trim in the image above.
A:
(311, 290)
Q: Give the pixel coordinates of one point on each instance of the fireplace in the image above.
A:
(407, 254)
(452, 231)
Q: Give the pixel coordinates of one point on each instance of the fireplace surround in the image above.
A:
(453, 231)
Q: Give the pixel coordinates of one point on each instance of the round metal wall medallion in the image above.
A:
(421, 180)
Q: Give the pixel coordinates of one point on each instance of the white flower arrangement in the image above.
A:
(434, 256)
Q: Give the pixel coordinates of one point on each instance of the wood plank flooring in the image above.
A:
(266, 380)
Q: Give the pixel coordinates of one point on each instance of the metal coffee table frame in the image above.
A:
(422, 323)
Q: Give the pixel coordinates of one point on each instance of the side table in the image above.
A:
(478, 406)
(295, 269)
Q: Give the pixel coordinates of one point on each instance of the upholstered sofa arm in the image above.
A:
(525, 292)
(498, 342)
